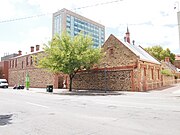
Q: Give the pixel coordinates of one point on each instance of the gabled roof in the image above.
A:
(171, 66)
(138, 51)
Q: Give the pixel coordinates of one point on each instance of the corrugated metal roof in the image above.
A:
(139, 51)
(171, 66)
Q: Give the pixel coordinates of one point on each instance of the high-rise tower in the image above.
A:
(65, 20)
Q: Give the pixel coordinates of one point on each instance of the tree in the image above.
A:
(159, 53)
(166, 72)
(69, 55)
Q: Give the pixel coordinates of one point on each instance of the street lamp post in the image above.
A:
(176, 5)
(105, 76)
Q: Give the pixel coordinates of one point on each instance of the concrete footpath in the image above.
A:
(73, 92)
(174, 89)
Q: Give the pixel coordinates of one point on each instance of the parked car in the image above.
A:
(3, 83)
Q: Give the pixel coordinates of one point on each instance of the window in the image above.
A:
(57, 24)
(68, 24)
(111, 51)
(31, 62)
(158, 74)
(22, 65)
(144, 71)
(10, 63)
(16, 63)
(27, 62)
(36, 61)
(152, 74)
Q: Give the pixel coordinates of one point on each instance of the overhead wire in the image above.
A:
(44, 14)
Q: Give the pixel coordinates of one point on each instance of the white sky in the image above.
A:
(150, 22)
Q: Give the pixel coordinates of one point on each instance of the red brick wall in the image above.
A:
(4, 68)
(149, 76)
(38, 77)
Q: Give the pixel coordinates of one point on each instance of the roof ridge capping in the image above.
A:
(137, 50)
(149, 54)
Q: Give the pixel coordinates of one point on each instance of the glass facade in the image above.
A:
(57, 24)
(73, 25)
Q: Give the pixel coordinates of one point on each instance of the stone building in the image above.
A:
(4, 70)
(8, 56)
(4, 65)
(173, 73)
(22, 65)
(125, 66)
(177, 61)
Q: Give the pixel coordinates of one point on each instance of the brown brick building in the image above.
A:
(177, 61)
(39, 78)
(4, 65)
(124, 67)
(4, 70)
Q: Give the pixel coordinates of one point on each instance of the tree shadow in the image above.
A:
(90, 93)
(165, 87)
(5, 119)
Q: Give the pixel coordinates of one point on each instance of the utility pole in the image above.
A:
(176, 6)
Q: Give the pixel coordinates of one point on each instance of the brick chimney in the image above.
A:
(133, 42)
(19, 52)
(37, 47)
(32, 48)
(167, 59)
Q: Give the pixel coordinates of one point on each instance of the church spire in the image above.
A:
(128, 36)
(127, 30)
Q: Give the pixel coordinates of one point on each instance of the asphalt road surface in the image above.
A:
(39, 113)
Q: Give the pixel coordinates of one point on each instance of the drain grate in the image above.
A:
(5, 119)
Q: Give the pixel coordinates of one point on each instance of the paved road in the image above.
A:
(39, 113)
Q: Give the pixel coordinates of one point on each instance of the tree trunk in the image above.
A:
(70, 83)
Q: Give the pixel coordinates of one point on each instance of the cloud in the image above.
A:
(6, 48)
(6, 9)
(38, 35)
(50, 6)
(150, 22)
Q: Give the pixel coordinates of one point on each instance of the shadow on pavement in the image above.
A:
(5, 119)
(165, 87)
(90, 93)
